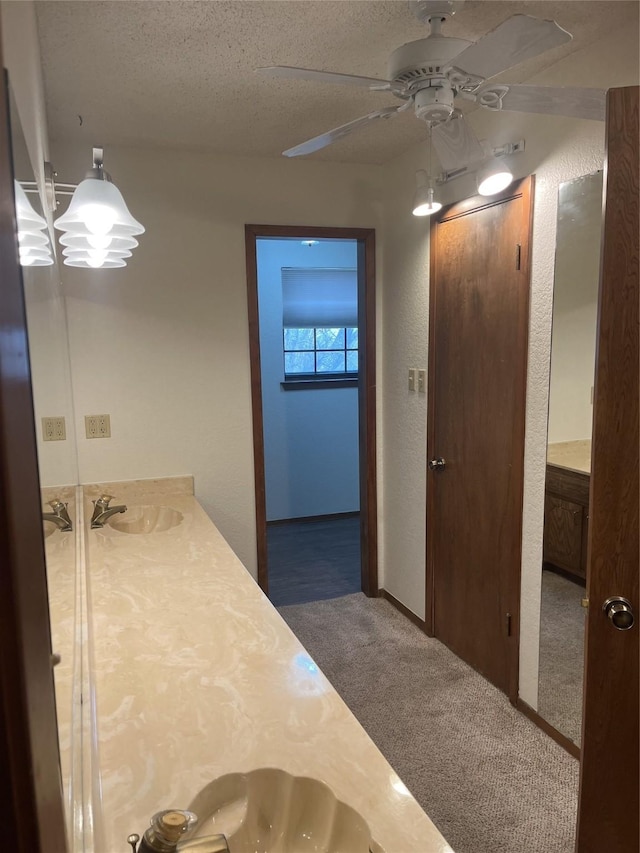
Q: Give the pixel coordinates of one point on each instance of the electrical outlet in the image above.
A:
(53, 429)
(97, 426)
(422, 381)
(412, 379)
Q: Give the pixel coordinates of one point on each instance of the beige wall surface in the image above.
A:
(162, 346)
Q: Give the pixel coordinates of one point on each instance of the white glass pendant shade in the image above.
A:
(28, 219)
(33, 242)
(424, 203)
(84, 262)
(35, 258)
(493, 179)
(98, 208)
(95, 241)
(95, 258)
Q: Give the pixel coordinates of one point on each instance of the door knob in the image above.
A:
(620, 612)
(437, 464)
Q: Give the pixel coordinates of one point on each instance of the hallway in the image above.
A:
(491, 781)
(313, 560)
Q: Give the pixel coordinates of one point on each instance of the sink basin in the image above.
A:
(146, 519)
(271, 811)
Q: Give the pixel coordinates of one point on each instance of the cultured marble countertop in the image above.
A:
(61, 576)
(575, 455)
(196, 675)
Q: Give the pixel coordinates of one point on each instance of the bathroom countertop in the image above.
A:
(575, 455)
(61, 576)
(197, 675)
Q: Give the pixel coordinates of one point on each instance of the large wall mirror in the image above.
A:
(57, 461)
(566, 521)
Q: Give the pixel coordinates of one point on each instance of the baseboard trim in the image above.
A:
(565, 742)
(331, 516)
(411, 616)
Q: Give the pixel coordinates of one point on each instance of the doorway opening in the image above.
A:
(311, 306)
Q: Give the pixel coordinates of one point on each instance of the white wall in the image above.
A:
(162, 345)
(557, 150)
(310, 436)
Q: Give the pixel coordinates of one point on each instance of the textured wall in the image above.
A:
(162, 345)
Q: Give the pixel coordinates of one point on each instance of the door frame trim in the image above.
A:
(519, 189)
(366, 391)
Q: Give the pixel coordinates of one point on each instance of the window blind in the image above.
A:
(319, 297)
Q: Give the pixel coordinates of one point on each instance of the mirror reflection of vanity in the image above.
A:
(57, 461)
(566, 522)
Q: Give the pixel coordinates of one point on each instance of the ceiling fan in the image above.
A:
(430, 73)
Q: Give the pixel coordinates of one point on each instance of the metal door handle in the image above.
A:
(620, 612)
(437, 464)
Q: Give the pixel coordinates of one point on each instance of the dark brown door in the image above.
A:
(30, 783)
(608, 810)
(477, 376)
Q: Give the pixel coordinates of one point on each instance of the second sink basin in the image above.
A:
(146, 519)
(271, 811)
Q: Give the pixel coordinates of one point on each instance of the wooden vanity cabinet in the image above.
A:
(566, 520)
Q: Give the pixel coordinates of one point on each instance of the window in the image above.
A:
(321, 353)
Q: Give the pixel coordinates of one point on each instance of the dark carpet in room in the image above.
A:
(491, 781)
(313, 560)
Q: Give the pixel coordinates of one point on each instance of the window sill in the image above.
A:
(317, 384)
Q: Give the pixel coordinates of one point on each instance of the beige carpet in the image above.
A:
(490, 780)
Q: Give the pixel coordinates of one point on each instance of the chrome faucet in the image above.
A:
(59, 516)
(102, 511)
(164, 836)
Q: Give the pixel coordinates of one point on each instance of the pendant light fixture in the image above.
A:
(99, 231)
(33, 242)
(423, 200)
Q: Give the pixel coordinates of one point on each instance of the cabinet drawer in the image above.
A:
(567, 484)
(563, 533)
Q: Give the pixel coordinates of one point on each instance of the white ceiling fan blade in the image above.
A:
(548, 100)
(512, 42)
(291, 73)
(456, 144)
(337, 133)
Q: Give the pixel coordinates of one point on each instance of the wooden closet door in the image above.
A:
(477, 382)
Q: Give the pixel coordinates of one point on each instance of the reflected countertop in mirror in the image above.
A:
(575, 455)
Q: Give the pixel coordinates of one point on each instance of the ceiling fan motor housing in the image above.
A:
(420, 60)
(434, 103)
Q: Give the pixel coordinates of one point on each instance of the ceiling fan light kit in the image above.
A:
(430, 73)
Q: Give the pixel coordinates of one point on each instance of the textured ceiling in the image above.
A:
(180, 74)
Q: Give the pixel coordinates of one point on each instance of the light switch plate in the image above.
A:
(97, 426)
(53, 429)
(422, 381)
(412, 379)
